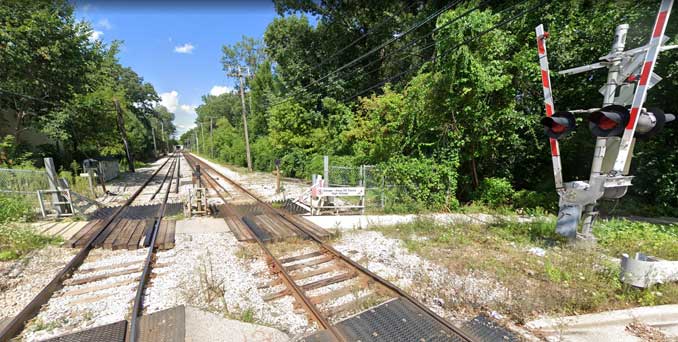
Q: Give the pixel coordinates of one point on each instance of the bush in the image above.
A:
(495, 192)
(528, 199)
(15, 208)
(421, 183)
(263, 155)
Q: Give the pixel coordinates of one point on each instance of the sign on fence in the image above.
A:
(321, 196)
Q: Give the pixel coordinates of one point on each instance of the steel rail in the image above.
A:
(138, 306)
(346, 259)
(295, 290)
(16, 325)
(164, 179)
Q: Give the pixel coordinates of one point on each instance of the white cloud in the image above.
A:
(186, 48)
(95, 35)
(170, 100)
(218, 90)
(184, 114)
(104, 23)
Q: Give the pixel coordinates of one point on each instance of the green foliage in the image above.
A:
(495, 192)
(263, 157)
(421, 182)
(15, 208)
(17, 241)
(528, 199)
(622, 236)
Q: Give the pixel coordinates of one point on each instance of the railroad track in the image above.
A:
(78, 280)
(320, 277)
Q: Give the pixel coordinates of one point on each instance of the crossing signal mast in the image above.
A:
(616, 128)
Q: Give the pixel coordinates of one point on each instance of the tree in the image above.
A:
(45, 57)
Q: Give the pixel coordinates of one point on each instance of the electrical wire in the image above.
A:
(388, 42)
(449, 50)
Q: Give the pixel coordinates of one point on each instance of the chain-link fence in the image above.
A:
(369, 176)
(23, 183)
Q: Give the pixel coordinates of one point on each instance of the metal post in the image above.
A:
(54, 185)
(326, 169)
(609, 91)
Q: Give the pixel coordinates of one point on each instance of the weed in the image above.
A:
(16, 241)
(15, 208)
(247, 315)
(567, 280)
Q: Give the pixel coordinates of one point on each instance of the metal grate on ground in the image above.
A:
(396, 320)
(106, 333)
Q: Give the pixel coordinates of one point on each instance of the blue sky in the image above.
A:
(177, 48)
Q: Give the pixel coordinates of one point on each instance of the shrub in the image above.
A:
(495, 192)
(14, 208)
(528, 199)
(421, 183)
(263, 155)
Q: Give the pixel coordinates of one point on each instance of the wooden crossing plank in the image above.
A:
(161, 234)
(275, 234)
(238, 228)
(74, 239)
(68, 234)
(125, 234)
(122, 225)
(279, 224)
(294, 229)
(169, 238)
(140, 230)
(102, 237)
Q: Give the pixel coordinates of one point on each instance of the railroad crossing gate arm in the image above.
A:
(548, 103)
(641, 90)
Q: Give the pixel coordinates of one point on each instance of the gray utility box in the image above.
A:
(107, 166)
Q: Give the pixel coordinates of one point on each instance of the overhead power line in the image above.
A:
(364, 35)
(448, 51)
(388, 42)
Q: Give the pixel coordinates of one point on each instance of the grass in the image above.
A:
(16, 241)
(566, 280)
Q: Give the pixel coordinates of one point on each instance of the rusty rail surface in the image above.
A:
(297, 292)
(16, 325)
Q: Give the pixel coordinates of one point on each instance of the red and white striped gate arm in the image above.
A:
(548, 103)
(641, 89)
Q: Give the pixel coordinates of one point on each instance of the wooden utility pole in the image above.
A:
(123, 135)
(240, 75)
(155, 147)
(211, 139)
